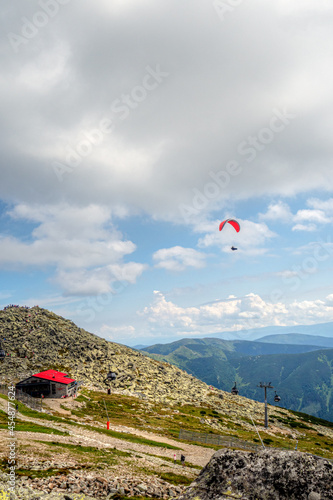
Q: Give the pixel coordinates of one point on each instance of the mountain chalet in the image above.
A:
(48, 384)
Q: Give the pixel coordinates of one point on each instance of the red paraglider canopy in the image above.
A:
(233, 222)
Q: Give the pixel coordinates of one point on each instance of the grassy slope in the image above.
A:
(314, 436)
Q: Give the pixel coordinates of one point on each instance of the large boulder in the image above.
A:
(268, 474)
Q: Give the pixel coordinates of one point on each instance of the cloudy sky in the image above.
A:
(130, 129)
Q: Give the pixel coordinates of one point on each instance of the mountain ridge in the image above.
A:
(298, 339)
(301, 374)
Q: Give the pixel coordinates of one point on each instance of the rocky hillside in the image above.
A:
(267, 474)
(37, 339)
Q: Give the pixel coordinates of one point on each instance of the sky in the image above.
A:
(130, 130)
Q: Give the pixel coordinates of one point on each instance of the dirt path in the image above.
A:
(78, 434)
(56, 405)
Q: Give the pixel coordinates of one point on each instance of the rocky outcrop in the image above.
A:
(83, 486)
(265, 475)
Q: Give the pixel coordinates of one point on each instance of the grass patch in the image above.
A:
(22, 426)
(34, 473)
(300, 425)
(81, 398)
(313, 420)
(88, 449)
(132, 437)
(42, 473)
(132, 412)
(31, 427)
(178, 462)
(100, 457)
(175, 478)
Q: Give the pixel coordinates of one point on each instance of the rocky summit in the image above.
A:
(264, 475)
(37, 339)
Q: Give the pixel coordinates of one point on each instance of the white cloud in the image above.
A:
(304, 227)
(286, 274)
(115, 332)
(81, 243)
(96, 281)
(279, 211)
(164, 144)
(315, 216)
(178, 258)
(321, 212)
(325, 205)
(234, 314)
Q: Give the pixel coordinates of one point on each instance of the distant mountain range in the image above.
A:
(299, 339)
(318, 329)
(301, 374)
(315, 330)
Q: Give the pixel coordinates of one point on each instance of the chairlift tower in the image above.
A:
(265, 386)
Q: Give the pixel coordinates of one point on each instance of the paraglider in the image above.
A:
(234, 224)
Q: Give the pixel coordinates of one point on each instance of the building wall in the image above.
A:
(37, 387)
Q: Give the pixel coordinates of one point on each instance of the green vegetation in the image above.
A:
(29, 412)
(87, 449)
(303, 378)
(32, 473)
(313, 420)
(132, 438)
(101, 457)
(167, 421)
(22, 426)
(178, 462)
(135, 413)
(175, 478)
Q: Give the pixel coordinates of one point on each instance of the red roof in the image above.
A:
(55, 376)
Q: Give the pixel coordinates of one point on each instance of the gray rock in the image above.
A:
(314, 496)
(267, 474)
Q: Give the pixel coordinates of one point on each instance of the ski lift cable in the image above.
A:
(257, 432)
